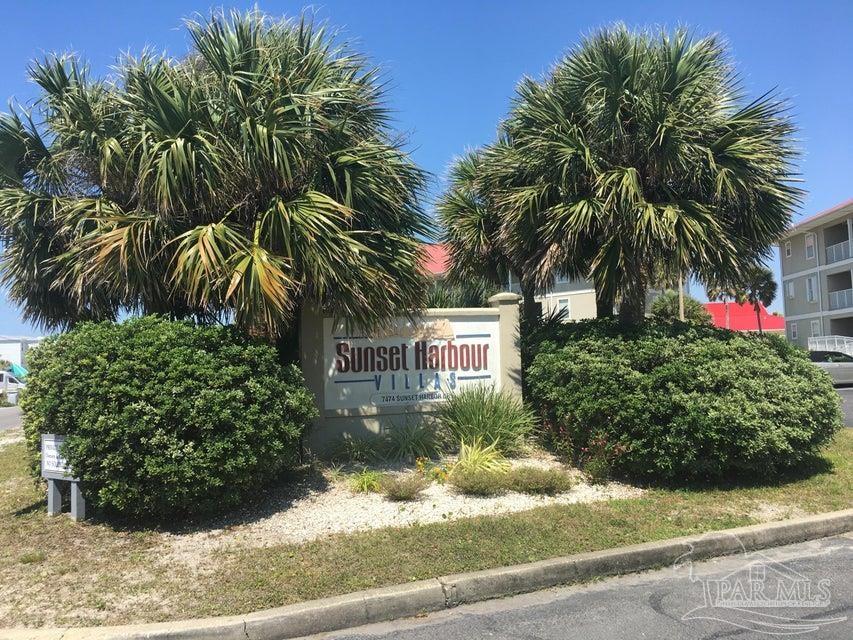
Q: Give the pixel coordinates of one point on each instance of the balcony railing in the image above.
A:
(836, 252)
(843, 344)
(840, 299)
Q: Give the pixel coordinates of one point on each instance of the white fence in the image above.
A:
(840, 299)
(842, 344)
(837, 252)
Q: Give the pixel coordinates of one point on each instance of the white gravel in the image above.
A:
(318, 507)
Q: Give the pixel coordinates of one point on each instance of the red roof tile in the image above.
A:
(435, 258)
(742, 317)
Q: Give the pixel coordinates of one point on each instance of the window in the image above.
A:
(815, 328)
(789, 286)
(811, 289)
(794, 334)
(564, 307)
(810, 253)
(788, 249)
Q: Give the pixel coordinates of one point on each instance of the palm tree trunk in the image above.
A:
(603, 304)
(680, 297)
(632, 309)
(758, 316)
(530, 309)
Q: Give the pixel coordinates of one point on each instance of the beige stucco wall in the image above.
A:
(581, 303)
(799, 304)
(798, 261)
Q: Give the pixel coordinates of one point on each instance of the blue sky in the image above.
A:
(453, 66)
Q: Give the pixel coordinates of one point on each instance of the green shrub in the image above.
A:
(165, 418)
(665, 308)
(366, 481)
(536, 480)
(682, 403)
(350, 450)
(403, 487)
(411, 441)
(490, 416)
(597, 458)
(478, 482)
(597, 469)
(475, 457)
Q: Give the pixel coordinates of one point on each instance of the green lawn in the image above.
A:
(92, 573)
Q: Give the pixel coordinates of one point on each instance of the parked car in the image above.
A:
(838, 365)
(9, 383)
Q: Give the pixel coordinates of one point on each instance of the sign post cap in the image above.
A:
(506, 297)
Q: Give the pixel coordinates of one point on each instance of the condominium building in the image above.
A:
(817, 280)
(573, 297)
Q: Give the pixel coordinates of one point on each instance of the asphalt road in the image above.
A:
(846, 394)
(10, 417)
(664, 604)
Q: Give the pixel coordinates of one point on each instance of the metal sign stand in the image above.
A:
(54, 469)
(54, 499)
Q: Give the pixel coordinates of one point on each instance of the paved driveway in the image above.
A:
(10, 417)
(659, 604)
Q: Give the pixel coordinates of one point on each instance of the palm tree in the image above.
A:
(253, 176)
(638, 155)
(471, 221)
(673, 305)
(755, 286)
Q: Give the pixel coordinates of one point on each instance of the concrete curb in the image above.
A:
(406, 600)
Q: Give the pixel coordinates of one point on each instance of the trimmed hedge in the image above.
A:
(680, 403)
(165, 418)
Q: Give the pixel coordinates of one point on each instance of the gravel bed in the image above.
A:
(322, 505)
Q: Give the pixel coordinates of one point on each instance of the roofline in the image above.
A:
(809, 222)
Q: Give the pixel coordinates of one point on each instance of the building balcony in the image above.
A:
(837, 252)
(841, 299)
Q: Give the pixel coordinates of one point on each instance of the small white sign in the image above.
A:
(411, 363)
(53, 465)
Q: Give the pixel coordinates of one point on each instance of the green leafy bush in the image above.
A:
(536, 480)
(478, 482)
(489, 416)
(165, 418)
(351, 450)
(411, 441)
(681, 403)
(366, 481)
(665, 308)
(403, 487)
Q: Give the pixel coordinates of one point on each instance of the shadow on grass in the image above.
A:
(39, 505)
(279, 495)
